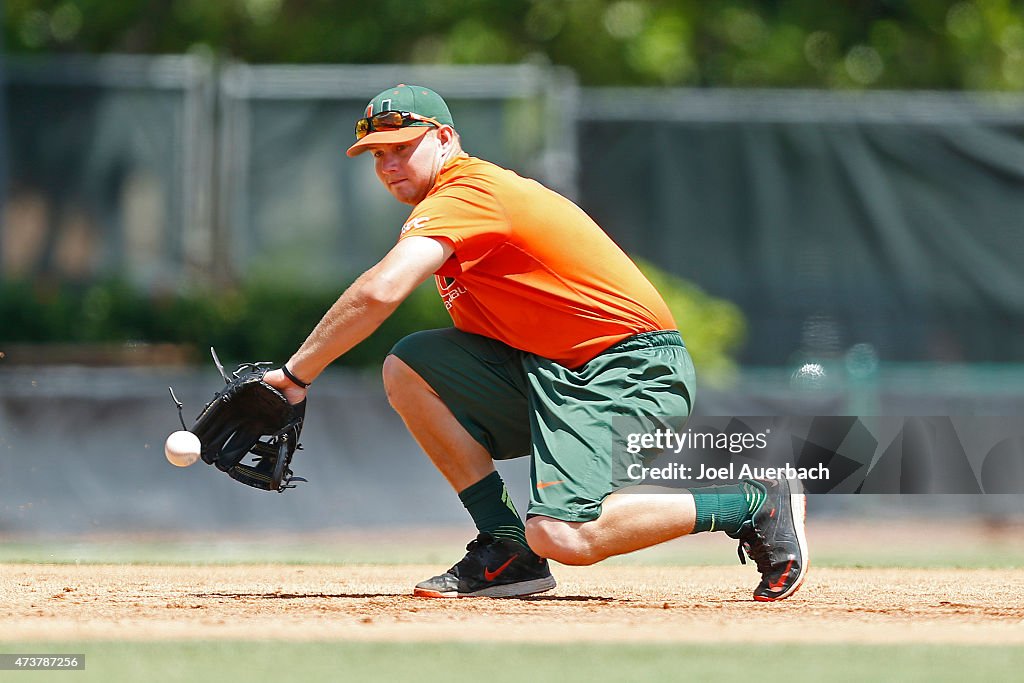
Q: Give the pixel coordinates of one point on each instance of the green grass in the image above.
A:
(224, 552)
(966, 553)
(276, 662)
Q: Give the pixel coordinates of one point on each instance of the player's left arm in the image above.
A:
(361, 309)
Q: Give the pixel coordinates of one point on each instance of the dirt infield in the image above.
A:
(602, 603)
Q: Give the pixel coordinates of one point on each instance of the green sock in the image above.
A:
(492, 509)
(725, 508)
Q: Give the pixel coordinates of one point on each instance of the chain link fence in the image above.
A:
(170, 170)
(890, 222)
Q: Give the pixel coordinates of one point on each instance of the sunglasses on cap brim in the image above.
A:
(390, 120)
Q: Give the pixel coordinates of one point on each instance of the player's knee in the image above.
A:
(564, 542)
(399, 380)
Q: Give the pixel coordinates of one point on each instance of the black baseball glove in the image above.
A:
(250, 416)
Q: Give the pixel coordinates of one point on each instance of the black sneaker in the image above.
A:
(493, 568)
(774, 539)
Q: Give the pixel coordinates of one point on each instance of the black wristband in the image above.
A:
(293, 378)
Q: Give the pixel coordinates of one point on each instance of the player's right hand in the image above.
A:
(293, 392)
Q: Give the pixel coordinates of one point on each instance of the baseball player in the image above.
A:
(555, 331)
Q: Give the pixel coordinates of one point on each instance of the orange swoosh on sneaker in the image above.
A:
(491, 576)
(545, 484)
(777, 585)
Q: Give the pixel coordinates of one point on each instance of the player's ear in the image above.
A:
(446, 136)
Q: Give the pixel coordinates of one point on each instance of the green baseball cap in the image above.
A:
(412, 99)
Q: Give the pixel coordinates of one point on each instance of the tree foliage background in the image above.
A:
(743, 43)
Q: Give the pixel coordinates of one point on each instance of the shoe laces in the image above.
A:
(482, 540)
(757, 550)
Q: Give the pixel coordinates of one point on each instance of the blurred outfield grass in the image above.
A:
(253, 661)
(878, 543)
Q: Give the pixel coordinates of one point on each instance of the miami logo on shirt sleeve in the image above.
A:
(414, 223)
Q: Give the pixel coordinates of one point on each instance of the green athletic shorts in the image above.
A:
(515, 403)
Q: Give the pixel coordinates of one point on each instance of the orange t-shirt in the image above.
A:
(530, 268)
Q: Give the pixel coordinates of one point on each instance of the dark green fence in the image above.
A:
(895, 220)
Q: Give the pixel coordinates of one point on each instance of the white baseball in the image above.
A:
(182, 448)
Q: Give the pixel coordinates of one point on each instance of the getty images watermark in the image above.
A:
(666, 441)
(827, 454)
